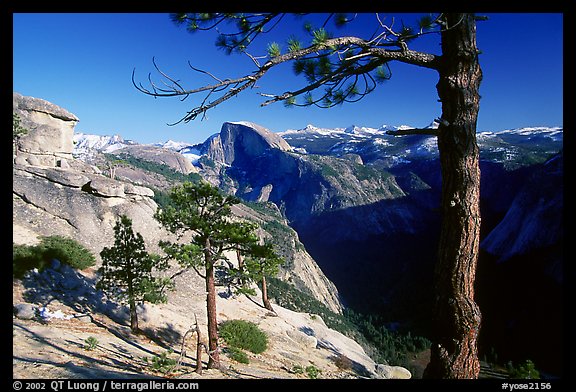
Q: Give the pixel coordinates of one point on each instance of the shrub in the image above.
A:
(162, 363)
(68, 251)
(237, 354)
(297, 369)
(312, 371)
(244, 334)
(17, 130)
(525, 370)
(26, 258)
(90, 343)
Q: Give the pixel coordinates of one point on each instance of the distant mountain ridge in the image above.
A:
(86, 144)
(373, 144)
(370, 143)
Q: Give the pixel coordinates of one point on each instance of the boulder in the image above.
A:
(102, 186)
(131, 189)
(25, 311)
(32, 104)
(50, 129)
(58, 175)
(302, 338)
(392, 372)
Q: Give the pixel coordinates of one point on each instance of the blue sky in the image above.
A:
(84, 63)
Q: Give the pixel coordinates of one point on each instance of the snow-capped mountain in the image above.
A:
(190, 152)
(375, 144)
(86, 144)
(364, 141)
(352, 131)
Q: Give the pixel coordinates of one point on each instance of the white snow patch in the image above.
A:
(46, 314)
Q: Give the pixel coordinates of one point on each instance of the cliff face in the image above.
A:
(242, 141)
(535, 217)
(49, 142)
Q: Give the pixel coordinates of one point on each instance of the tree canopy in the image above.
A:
(336, 69)
(127, 270)
(201, 217)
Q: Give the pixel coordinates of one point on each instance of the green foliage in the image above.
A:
(17, 130)
(90, 343)
(524, 370)
(340, 72)
(312, 371)
(26, 258)
(244, 335)
(324, 165)
(382, 73)
(198, 208)
(288, 296)
(273, 49)
(294, 44)
(298, 66)
(391, 347)
(205, 161)
(369, 330)
(290, 102)
(162, 363)
(154, 167)
(406, 33)
(204, 211)
(282, 235)
(126, 271)
(161, 198)
(341, 19)
(155, 289)
(262, 262)
(297, 369)
(426, 23)
(237, 354)
(320, 36)
(66, 250)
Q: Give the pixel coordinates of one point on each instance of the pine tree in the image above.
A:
(261, 263)
(201, 210)
(126, 271)
(17, 132)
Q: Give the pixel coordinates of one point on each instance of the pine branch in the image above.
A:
(375, 55)
(413, 131)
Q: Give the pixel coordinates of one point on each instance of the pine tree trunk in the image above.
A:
(131, 298)
(454, 351)
(133, 316)
(214, 357)
(265, 299)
